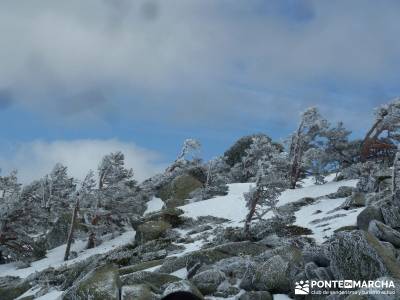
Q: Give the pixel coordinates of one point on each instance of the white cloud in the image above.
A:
(35, 159)
(186, 55)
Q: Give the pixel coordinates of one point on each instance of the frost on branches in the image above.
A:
(387, 120)
(263, 197)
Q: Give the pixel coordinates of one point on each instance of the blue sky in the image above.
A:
(80, 79)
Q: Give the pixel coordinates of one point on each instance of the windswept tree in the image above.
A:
(116, 187)
(190, 149)
(85, 197)
(264, 196)
(112, 172)
(261, 150)
(188, 157)
(311, 127)
(216, 180)
(9, 186)
(57, 187)
(385, 131)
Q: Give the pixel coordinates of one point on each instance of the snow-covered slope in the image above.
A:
(233, 208)
(323, 220)
(54, 258)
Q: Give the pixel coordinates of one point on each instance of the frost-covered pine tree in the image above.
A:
(9, 185)
(311, 126)
(261, 149)
(387, 120)
(9, 193)
(114, 196)
(264, 196)
(190, 148)
(216, 179)
(59, 186)
(315, 161)
(340, 152)
(112, 171)
(188, 157)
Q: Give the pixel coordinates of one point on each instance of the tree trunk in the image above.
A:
(91, 241)
(295, 168)
(250, 215)
(371, 135)
(295, 154)
(71, 229)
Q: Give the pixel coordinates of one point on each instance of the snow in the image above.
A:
(155, 204)
(281, 297)
(314, 191)
(54, 257)
(232, 207)
(53, 295)
(323, 229)
(190, 247)
(181, 273)
(30, 292)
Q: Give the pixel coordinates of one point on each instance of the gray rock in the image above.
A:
(233, 267)
(225, 290)
(316, 254)
(151, 230)
(208, 281)
(342, 192)
(271, 276)
(182, 286)
(309, 269)
(274, 241)
(212, 255)
(175, 192)
(357, 199)
(140, 266)
(22, 264)
(169, 215)
(390, 212)
(156, 255)
(101, 283)
(323, 273)
(247, 280)
(389, 247)
(367, 215)
(360, 256)
(384, 233)
(289, 253)
(12, 287)
(260, 295)
(241, 248)
(373, 198)
(137, 292)
(154, 280)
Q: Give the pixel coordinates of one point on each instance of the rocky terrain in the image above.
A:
(336, 233)
(249, 225)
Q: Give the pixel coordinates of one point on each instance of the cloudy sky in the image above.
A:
(79, 79)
